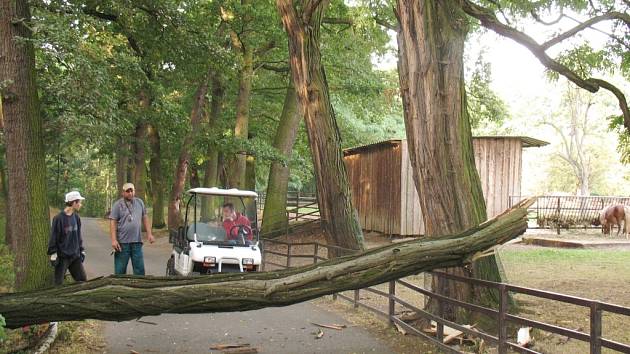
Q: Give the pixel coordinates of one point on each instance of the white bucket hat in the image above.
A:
(72, 196)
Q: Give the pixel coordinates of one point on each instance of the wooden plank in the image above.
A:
(404, 167)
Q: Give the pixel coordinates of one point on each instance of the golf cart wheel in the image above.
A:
(170, 267)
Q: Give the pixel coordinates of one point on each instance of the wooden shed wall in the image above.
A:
(499, 165)
(384, 194)
(374, 176)
(412, 222)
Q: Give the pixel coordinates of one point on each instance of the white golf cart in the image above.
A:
(204, 246)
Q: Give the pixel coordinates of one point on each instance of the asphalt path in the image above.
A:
(272, 330)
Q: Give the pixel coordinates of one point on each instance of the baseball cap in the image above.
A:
(72, 196)
(128, 186)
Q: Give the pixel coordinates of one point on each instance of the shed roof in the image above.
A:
(526, 141)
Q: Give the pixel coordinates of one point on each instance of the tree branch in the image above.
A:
(584, 25)
(338, 21)
(489, 20)
(119, 298)
(547, 23)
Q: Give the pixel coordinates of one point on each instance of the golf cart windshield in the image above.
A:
(222, 217)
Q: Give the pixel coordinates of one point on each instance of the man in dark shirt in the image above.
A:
(65, 245)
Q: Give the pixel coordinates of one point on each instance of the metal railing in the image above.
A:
(567, 212)
(500, 315)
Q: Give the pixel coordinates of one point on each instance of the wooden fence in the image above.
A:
(302, 209)
(501, 315)
(567, 212)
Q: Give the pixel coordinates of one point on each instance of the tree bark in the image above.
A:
(24, 148)
(196, 114)
(241, 129)
(119, 298)
(139, 160)
(431, 71)
(211, 174)
(157, 179)
(122, 162)
(339, 217)
(274, 212)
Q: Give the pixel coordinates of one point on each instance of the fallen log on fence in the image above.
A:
(119, 298)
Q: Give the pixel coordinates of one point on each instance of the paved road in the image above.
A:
(272, 330)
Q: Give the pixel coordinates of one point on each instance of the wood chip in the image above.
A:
(331, 326)
(228, 346)
(245, 350)
(133, 352)
(400, 329)
(319, 334)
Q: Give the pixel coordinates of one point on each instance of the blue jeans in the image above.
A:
(121, 259)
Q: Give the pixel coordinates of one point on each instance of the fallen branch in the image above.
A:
(120, 298)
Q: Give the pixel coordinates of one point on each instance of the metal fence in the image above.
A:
(500, 315)
(567, 212)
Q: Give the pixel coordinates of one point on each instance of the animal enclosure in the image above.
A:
(385, 196)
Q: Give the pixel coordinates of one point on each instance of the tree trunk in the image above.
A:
(122, 162)
(194, 176)
(157, 179)
(174, 216)
(250, 185)
(30, 223)
(119, 298)
(241, 129)
(339, 217)
(211, 174)
(139, 160)
(274, 212)
(431, 71)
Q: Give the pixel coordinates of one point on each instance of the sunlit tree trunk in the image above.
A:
(211, 174)
(196, 114)
(431, 70)
(274, 212)
(28, 206)
(241, 129)
(157, 178)
(339, 217)
(139, 160)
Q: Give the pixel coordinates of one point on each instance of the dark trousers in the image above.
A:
(75, 266)
(128, 251)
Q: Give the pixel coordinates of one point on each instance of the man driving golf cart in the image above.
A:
(233, 222)
(217, 236)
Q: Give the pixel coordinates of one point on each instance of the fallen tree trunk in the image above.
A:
(119, 298)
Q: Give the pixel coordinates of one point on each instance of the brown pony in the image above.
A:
(611, 216)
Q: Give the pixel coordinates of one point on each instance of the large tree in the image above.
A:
(28, 214)
(302, 24)
(431, 36)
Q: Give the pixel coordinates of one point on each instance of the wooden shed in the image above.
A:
(384, 193)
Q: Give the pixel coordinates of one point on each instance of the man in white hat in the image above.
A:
(65, 245)
(125, 227)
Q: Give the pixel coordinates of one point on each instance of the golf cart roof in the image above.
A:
(223, 192)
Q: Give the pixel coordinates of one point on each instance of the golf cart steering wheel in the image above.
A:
(242, 231)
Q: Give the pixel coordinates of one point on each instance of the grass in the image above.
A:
(602, 275)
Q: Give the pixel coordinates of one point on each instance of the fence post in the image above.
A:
(297, 206)
(502, 323)
(289, 255)
(440, 306)
(558, 220)
(596, 328)
(392, 303)
(356, 298)
(316, 253)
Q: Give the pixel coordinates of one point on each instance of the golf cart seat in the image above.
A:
(205, 232)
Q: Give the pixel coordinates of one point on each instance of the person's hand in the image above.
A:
(151, 238)
(116, 246)
(53, 259)
(82, 256)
